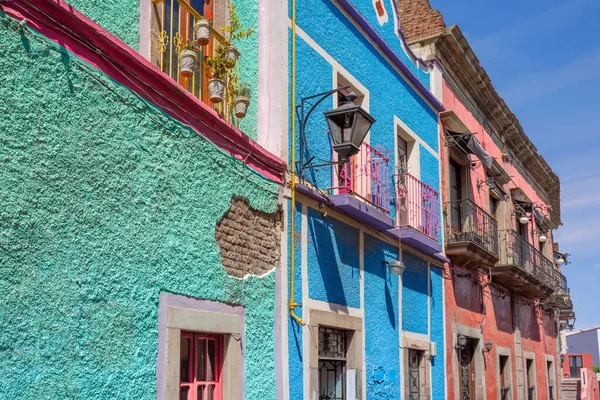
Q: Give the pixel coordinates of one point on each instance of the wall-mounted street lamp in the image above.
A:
(523, 220)
(461, 341)
(348, 126)
(571, 321)
(543, 238)
(487, 346)
(395, 267)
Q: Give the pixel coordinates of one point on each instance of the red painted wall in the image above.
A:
(473, 302)
(585, 358)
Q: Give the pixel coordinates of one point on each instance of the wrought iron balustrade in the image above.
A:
(176, 20)
(516, 250)
(417, 204)
(366, 175)
(467, 222)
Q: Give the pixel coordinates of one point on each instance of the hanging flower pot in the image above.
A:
(240, 106)
(202, 32)
(188, 60)
(216, 90)
(231, 56)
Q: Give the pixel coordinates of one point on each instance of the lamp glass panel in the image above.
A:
(363, 123)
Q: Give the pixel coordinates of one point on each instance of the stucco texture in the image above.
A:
(247, 11)
(381, 322)
(390, 95)
(119, 17)
(415, 297)
(106, 202)
(333, 260)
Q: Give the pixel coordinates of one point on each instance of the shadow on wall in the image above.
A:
(467, 292)
(530, 321)
(502, 310)
(336, 247)
(374, 255)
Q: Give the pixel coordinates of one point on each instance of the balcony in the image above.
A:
(174, 33)
(361, 187)
(417, 205)
(471, 234)
(417, 214)
(524, 268)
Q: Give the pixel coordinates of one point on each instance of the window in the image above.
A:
(530, 375)
(415, 359)
(193, 364)
(332, 363)
(504, 378)
(550, 370)
(201, 366)
(575, 365)
(402, 155)
(456, 195)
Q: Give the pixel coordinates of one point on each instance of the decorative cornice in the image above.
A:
(62, 24)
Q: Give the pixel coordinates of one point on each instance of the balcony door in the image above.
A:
(456, 191)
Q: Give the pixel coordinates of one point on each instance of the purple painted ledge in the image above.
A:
(377, 220)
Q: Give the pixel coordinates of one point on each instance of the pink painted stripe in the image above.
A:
(62, 24)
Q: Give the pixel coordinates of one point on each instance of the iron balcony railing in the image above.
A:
(366, 175)
(467, 222)
(417, 204)
(176, 20)
(516, 250)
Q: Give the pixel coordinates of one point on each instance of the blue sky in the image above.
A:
(544, 59)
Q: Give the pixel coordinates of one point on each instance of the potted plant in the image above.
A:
(202, 31)
(216, 69)
(188, 59)
(241, 94)
(234, 30)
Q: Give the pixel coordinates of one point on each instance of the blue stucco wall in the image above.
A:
(381, 321)
(414, 294)
(390, 94)
(333, 260)
(388, 31)
(438, 380)
(294, 329)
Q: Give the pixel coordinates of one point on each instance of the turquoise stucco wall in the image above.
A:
(333, 260)
(119, 17)
(247, 11)
(106, 202)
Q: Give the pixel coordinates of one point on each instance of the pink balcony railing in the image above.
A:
(417, 204)
(366, 175)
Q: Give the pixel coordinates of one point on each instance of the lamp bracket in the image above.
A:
(304, 118)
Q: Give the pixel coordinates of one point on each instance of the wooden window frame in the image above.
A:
(194, 383)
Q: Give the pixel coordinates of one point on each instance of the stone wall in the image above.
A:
(418, 20)
(249, 240)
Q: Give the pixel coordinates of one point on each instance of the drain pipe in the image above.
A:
(292, 299)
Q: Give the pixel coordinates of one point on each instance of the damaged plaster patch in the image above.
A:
(248, 239)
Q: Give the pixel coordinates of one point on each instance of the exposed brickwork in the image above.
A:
(249, 240)
(418, 20)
